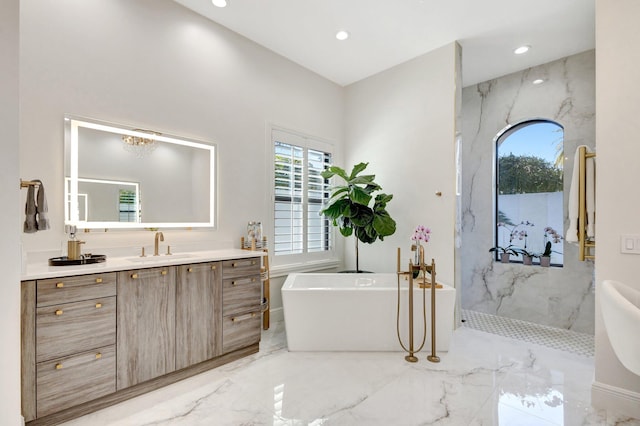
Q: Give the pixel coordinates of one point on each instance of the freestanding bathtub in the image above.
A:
(349, 312)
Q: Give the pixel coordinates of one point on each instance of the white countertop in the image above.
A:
(39, 270)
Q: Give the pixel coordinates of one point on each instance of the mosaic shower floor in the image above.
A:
(556, 338)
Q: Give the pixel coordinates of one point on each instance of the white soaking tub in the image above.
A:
(357, 312)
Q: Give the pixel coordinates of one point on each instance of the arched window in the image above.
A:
(528, 189)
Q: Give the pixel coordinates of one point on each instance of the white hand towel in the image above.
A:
(591, 196)
(30, 211)
(42, 222)
(571, 235)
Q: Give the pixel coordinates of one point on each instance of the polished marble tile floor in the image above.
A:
(484, 379)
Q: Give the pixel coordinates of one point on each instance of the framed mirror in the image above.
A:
(120, 177)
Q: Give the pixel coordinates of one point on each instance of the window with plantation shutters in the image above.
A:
(299, 195)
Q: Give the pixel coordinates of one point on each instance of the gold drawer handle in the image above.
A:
(98, 280)
(58, 366)
(59, 311)
(59, 285)
(233, 283)
(189, 269)
(213, 268)
(253, 262)
(134, 276)
(243, 317)
(163, 272)
(98, 355)
(98, 305)
(253, 280)
(233, 265)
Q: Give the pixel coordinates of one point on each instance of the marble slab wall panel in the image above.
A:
(560, 297)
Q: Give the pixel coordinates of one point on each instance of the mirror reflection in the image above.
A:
(120, 177)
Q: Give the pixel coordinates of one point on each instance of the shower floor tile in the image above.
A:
(556, 338)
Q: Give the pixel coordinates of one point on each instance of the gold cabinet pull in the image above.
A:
(163, 272)
(243, 317)
(213, 268)
(233, 265)
(189, 269)
(58, 366)
(253, 280)
(98, 355)
(59, 285)
(233, 283)
(253, 262)
(98, 280)
(98, 305)
(59, 311)
(134, 276)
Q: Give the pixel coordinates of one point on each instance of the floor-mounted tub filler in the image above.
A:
(347, 312)
(621, 314)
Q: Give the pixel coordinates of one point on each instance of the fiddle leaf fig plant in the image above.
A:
(349, 210)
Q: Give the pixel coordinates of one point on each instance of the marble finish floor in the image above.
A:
(485, 379)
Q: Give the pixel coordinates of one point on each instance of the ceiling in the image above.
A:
(387, 33)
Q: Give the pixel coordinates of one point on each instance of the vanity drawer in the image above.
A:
(72, 289)
(239, 331)
(241, 294)
(241, 267)
(70, 328)
(69, 381)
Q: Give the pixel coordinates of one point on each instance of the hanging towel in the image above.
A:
(30, 211)
(42, 221)
(590, 197)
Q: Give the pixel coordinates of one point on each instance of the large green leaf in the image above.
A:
(334, 170)
(362, 180)
(335, 209)
(384, 224)
(359, 196)
(357, 169)
(362, 217)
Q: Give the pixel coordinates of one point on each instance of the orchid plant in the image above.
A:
(421, 233)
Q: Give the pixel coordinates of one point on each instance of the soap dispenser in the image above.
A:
(73, 246)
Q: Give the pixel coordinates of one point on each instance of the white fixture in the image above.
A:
(522, 49)
(219, 3)
(630, 244)
(342, 35)
(538, 81)
(621, 314)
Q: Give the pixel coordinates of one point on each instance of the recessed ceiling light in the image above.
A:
(342, 35)
(538, 81)
(522, 49)
(219, 3)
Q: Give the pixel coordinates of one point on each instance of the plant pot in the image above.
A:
(527, 260)
(504, 257)
(545, 261)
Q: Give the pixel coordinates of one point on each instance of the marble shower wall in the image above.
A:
(559, 297)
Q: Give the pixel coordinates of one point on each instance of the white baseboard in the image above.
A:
(616, 399)
(276, 314)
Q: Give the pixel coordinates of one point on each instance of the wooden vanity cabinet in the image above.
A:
(241, 301)
(198, 313)
(90, 341)
(68, 342)
(146, 324)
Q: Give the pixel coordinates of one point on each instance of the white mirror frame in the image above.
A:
(72, 123)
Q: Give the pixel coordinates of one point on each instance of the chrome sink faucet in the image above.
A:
(159, 237)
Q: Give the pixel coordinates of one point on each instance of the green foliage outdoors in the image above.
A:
(527, 174)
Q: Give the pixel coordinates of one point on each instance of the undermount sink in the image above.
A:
(161, 258)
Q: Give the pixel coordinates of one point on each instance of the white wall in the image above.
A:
(156, 65)
(10, 221)
(402, 121)
(618, 198)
